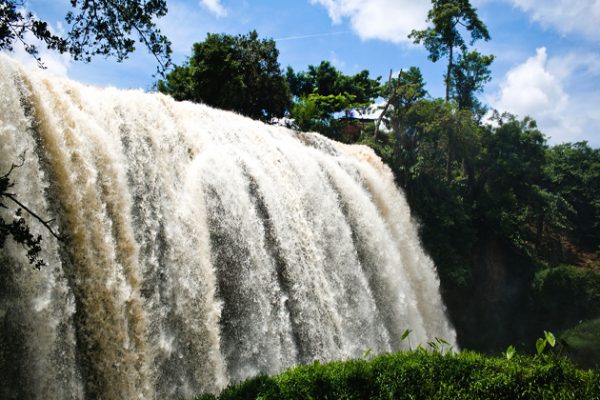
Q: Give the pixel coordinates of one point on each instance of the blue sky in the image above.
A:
(547, 51)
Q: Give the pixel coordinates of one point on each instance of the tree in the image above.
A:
(573, 171)
(400, 93)
(314, 112)
(436, 142)
(323, 91)
(469, 75)
(325, 80)
(448, 17)
(102, 27)
(508, 195)
(239, 73)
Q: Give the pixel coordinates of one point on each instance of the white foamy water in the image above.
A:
(202, 247)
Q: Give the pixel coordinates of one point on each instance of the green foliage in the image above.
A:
(323, 91)
(510, 352)
(470, 185)
(448, 17)
(15, 23)
(507, 190)
(239, 73)
(565, 295)
(407, 88)
(431, 143)
(425, 375)
(325, 80)
(573, 171)
(439, 345)
(405, 334)
(469, 75)
(95, 28)
(317, 107)
(582, 343)
(549, 338)
(541, 343)
(401, 94)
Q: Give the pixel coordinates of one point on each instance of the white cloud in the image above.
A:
(566, 16)
(530, 88)
(554, 92)
(388, 20)
(215, 7)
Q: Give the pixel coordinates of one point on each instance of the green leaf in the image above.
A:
(550, 338)
(405, 334)
(434, 346)
(367, 353)
(540, 345)
(510, 352)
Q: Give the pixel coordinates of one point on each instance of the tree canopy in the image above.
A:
(573, 172)
(106, 28)
(238, 73)
(322, 91)
(448, 17)
(468, 78)
(324, 80)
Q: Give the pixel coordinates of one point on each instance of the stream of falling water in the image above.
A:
(201, 247)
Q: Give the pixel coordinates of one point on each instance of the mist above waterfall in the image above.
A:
(201, 247)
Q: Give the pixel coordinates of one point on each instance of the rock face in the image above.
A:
(201, 247)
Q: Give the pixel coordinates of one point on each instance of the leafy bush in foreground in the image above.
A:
(425, 375)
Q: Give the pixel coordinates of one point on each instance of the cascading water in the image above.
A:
(201, 247)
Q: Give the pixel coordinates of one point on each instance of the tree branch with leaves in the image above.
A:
(17, 228)
(97, 28)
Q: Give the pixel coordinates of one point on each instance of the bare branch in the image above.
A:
(13, 166)
(12, 196)
(33, 214)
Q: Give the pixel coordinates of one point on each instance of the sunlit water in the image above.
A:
(201, 247)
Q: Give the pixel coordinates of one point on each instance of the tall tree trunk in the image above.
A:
(387, 104)
(448, 73)
(448, 80)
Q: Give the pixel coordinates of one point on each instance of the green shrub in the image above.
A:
(583, 343)
(426, 375)
(565, 295)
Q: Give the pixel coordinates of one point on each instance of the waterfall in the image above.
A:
(200, 247)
